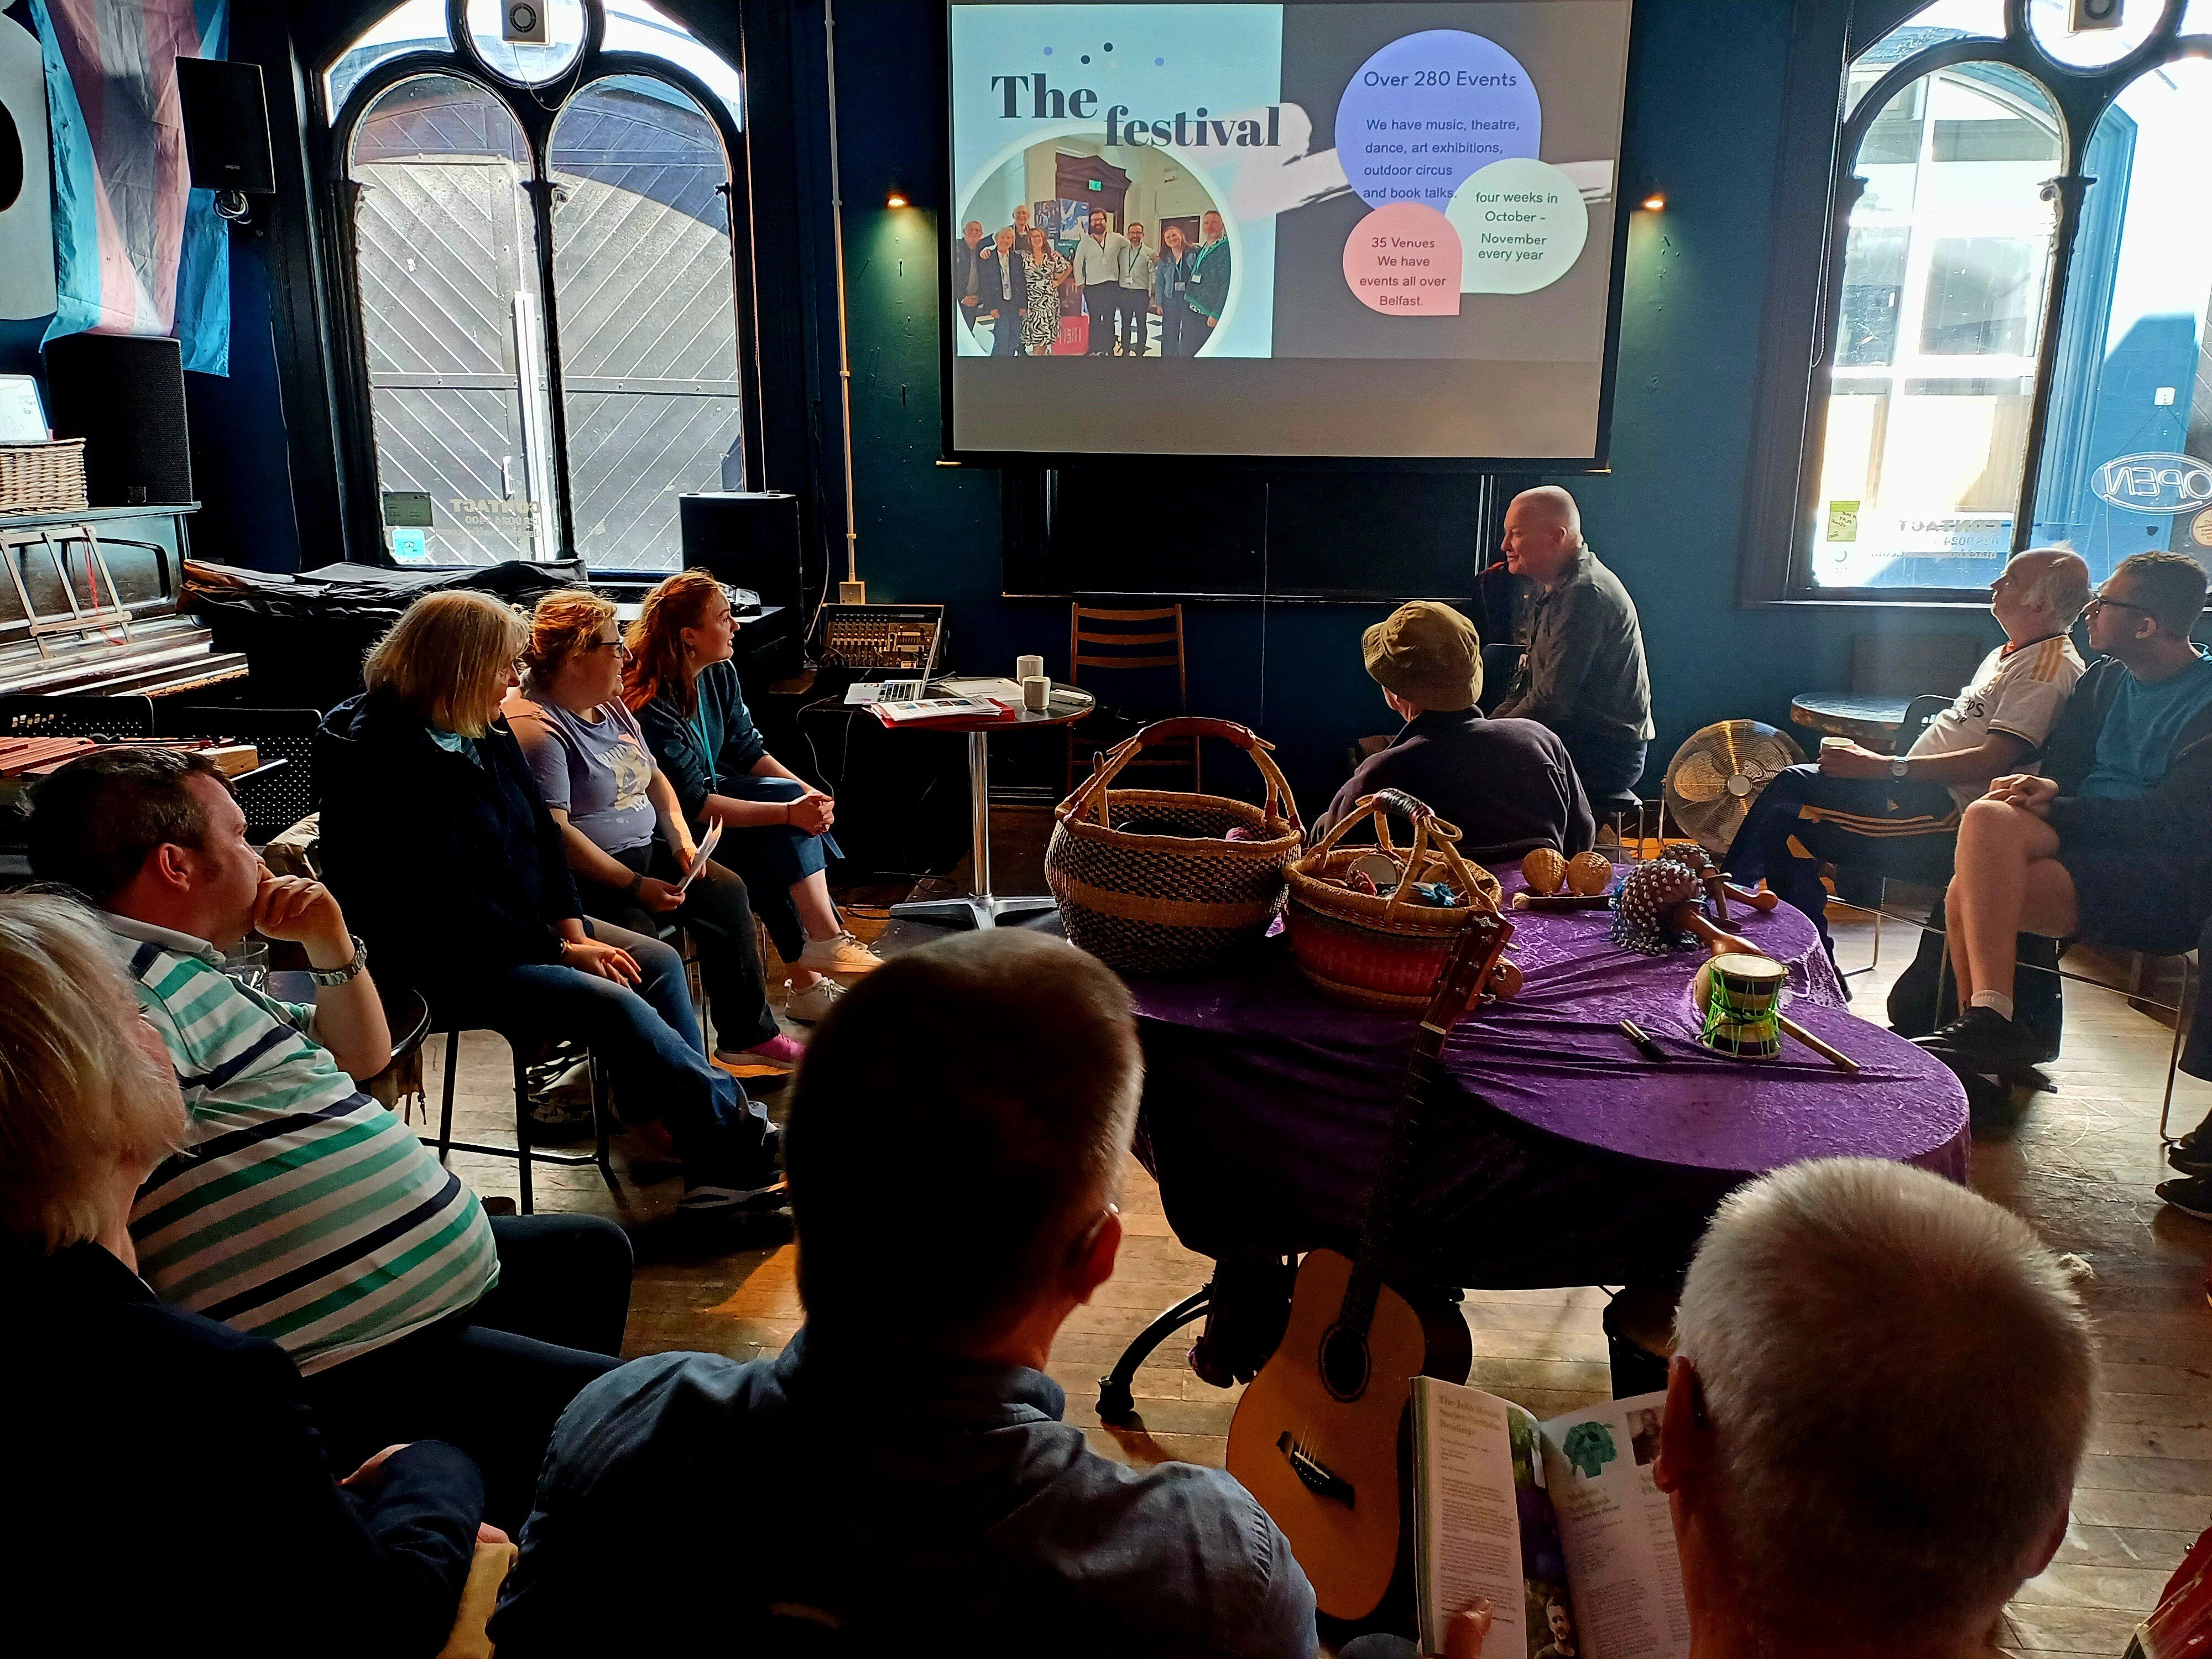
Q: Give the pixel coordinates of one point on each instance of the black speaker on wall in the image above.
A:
(226, 116)
(124, 394)
(747, 538)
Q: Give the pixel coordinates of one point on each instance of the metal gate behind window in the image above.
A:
(509, 421)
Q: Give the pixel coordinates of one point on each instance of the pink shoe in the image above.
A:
(779, 1054)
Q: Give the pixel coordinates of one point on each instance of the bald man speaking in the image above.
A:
(1583, 676)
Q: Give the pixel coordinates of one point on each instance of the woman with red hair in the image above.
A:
(681, 684)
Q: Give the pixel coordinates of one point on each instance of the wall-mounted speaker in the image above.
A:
(747, 538)
(124, 394)
(226, 112)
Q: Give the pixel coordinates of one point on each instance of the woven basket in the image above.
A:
(42, 477)
(1371, 952)
(1158, 904)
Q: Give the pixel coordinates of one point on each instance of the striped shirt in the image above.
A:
(298, 1208)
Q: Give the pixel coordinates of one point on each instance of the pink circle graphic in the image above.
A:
(1403, 260)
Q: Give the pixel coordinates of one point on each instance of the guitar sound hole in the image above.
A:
(1344, 1366)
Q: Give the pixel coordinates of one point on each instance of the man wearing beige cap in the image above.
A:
(1507, 784)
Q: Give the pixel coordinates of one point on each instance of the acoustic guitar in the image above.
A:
(1315, 1437)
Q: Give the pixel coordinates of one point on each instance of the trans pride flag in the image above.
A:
(137, 250)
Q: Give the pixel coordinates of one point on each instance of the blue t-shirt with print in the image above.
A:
(2137, 740)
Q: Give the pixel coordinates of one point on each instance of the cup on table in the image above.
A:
(247, 962)
(1037, 692)
(1028, 668)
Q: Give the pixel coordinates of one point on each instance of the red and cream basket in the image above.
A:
(1372, 951)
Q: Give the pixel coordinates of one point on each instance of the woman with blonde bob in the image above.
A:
(629, 846)
(775, 826)
(186, 1427)
(437, 841)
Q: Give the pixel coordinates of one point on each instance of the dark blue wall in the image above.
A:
(1706, 104)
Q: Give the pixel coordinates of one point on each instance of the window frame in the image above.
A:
(537, 110)
(1806, 277)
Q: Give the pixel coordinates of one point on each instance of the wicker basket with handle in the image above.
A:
(1374, 951)
(1155, 903)
(47, 477)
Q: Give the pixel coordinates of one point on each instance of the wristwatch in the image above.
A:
(1897, 768)
(342, 976)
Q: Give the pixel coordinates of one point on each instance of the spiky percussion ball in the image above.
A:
(1639, 909)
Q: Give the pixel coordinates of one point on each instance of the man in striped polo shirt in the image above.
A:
(298, 1208)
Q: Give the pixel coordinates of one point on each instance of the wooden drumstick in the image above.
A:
(1525, 901)
(1835, 1057)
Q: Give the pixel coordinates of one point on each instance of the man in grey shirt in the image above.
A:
(1138, 264)
(1097, 261)
(1584, 675)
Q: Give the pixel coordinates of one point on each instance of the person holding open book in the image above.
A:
(621, 825)
(1878, 1398)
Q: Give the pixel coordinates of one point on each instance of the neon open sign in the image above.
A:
(2155, 483)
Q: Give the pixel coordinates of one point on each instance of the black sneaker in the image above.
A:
(2192, 1197)
(2190, 1155)
(757, 1194)
(1983, 1041)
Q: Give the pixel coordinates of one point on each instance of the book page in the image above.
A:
(1483, 1518)
(1619, 1537)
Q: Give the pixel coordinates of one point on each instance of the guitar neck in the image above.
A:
(1394, 1180)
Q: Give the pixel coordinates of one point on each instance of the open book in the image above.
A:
(1558, 1525)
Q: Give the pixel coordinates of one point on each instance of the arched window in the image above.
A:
(543, 275)
(2013, 345)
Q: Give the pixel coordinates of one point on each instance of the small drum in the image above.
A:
(1742, 1014)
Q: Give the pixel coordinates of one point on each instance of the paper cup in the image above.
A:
(1028, 668)
(1036, 691)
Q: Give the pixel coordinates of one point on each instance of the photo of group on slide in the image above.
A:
(1086, 275)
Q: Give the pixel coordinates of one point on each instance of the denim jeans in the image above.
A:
(718, 913)
(772, 857)
(647, 1036)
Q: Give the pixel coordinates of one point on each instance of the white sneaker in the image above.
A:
(815, 1002)
(842, 954)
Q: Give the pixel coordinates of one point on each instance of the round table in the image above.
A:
(980, 907)
(1564, 1156)
(1871, 722)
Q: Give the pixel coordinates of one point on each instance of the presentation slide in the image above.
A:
(1354, 230)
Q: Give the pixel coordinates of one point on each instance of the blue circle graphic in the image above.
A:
(1429, 111)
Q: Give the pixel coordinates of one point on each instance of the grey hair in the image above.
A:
(80, 1097)
(2063, 586)
(1899, 1378)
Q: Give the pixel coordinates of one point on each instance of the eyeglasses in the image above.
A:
(2100, 602)
(621, 652)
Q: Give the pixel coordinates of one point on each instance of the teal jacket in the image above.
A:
(716, 741)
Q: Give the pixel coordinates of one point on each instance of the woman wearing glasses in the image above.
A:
(623, 831)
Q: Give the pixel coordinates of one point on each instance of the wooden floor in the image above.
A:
(2080, 1169)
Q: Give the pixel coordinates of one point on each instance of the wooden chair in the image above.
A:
(1110, 643)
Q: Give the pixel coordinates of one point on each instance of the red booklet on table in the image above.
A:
(966, 711)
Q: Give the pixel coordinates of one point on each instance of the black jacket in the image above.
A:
(167, 1487)
(447, 868)
(1507, 785)
(988, 283)
(2175, 818)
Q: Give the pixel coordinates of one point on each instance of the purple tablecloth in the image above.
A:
(1566, 1157)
